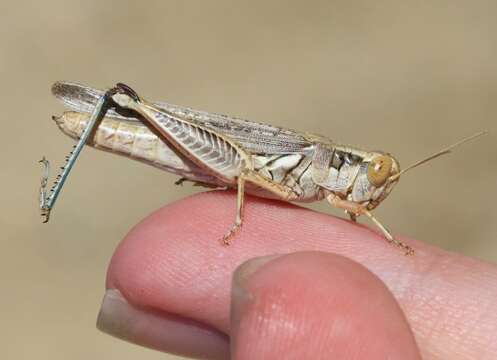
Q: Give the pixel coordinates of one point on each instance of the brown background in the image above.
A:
(407, 77)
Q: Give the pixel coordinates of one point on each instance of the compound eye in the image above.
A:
(379, 170)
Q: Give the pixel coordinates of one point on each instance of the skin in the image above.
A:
(329, 288)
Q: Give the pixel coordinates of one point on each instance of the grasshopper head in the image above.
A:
(376, 178)
(383, 170)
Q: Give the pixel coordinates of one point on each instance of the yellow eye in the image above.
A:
(379, 170)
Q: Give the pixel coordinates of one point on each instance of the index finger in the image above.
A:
(173, 262)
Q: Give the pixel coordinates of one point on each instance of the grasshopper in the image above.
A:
(219, 151)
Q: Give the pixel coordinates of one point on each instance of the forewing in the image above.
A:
(81, 98)
(256, 138)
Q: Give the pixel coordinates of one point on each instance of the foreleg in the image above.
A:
(357, 210)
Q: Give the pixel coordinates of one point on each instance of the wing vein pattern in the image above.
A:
(257, 138)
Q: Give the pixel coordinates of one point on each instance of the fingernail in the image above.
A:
(240, 297)
(246, 269)
(161, 331)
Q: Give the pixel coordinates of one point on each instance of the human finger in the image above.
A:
(172, 262)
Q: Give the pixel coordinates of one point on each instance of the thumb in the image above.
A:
(315, 305)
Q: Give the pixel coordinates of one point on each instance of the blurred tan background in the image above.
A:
(407, 77)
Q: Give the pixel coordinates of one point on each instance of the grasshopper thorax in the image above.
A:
(362, 177)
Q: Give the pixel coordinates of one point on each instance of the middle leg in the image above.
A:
(247, 175)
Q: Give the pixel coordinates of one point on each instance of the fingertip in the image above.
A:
(173, 260)
(315, 305)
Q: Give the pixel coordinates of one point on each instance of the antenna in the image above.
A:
(437, 154)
